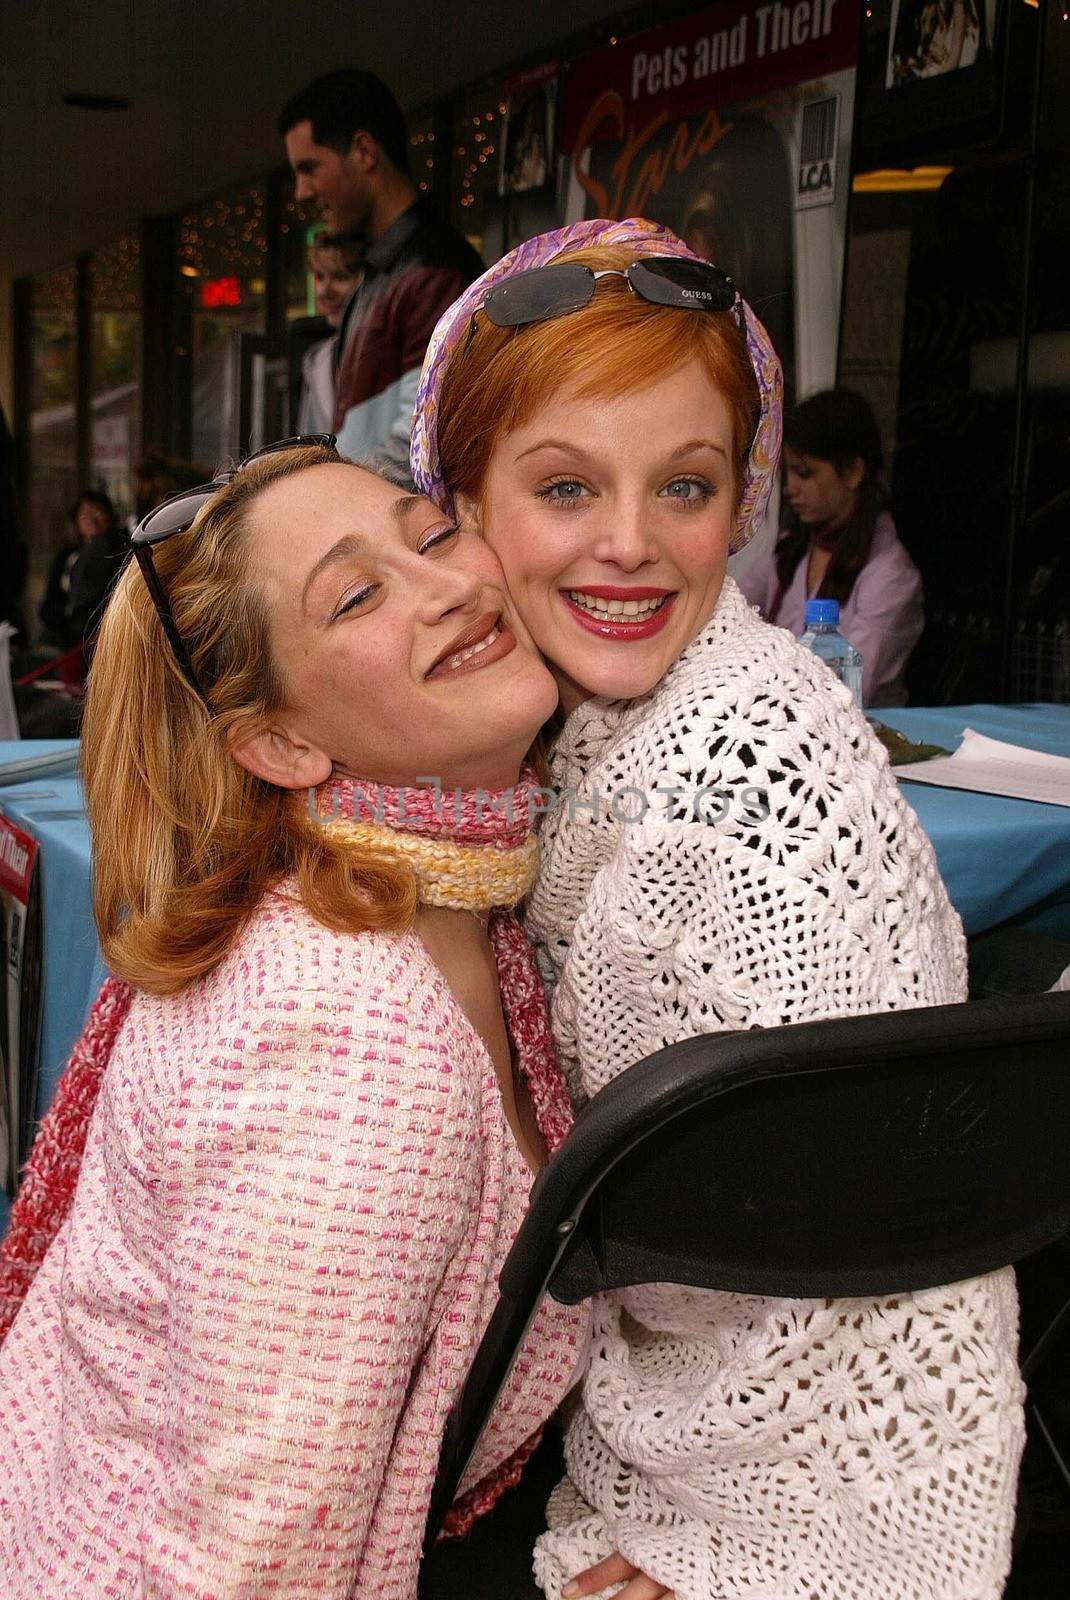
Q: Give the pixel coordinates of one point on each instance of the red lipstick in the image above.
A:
(621, 629)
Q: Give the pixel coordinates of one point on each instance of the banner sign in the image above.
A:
(19, 992)
(727, 52)
(732, 127)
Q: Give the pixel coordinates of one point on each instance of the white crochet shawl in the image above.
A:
(733, 1446)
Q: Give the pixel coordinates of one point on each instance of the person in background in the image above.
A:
(83, 571)
(840, 543)
(12, 549)
(156, 479)
(335, 264)
(347, 144)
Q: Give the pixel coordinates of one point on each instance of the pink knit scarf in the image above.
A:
(496, 821)
(501, 818)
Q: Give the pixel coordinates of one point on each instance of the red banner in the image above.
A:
(18, 852)
(728, 52)
(19, 923)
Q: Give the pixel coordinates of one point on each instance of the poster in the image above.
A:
(527, 145)
(931, 81)
(733, 127)
(19, 994)
(931, 37)
(525, 199)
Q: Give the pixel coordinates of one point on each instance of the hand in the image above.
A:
(614, 1569)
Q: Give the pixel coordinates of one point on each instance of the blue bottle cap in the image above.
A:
(822, 611)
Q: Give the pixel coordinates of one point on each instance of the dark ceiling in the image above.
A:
(206, 82)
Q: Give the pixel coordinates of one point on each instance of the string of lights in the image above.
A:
(474, 148)
(225, 237)
(114, 275)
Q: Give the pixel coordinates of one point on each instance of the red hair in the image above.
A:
(617, 344)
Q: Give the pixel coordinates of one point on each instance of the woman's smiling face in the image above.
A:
(398, 650)
(612, 520)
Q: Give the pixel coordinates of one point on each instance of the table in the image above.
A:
(51, 809)
(1002, 860)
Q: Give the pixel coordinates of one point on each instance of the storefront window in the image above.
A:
(53, 478)
(115, 367)
(223, 263)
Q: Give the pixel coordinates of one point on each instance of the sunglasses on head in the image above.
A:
(177, 515)
(554, 291)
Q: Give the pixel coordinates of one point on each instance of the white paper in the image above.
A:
(988, 766)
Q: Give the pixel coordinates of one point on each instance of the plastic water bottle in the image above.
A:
(824, 638)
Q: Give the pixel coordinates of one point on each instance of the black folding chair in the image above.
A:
(860, 1157)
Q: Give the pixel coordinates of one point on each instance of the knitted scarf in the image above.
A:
(474, 850)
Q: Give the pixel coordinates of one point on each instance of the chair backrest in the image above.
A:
(857, 1157)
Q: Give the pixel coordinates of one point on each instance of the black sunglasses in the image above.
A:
(554, 291)
(177, 515)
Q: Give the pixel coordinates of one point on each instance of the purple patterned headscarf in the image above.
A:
(647, 239)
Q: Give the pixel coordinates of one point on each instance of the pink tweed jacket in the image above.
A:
(231, 1374)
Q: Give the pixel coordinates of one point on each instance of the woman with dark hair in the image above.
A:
(840, 543)
(83, 570)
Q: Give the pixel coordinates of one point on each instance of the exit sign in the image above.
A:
(217, 292)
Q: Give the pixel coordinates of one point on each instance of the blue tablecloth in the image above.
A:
(1002, 860)
(51, 809)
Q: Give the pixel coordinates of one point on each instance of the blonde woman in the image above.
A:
(317, 1127)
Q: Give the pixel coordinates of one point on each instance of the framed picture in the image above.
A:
(527, 160)
(931, 79)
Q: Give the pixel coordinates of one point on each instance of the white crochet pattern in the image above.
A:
(732, 1447)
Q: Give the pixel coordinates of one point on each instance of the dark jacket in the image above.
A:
(95, 570)
(411, 274)
(53, 608)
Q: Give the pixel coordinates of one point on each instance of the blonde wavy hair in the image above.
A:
(185, 841)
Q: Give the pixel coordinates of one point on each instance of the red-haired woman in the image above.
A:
(605, 408)
(310, 1153)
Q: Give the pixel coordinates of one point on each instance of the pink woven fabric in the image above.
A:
(499, 817)
(233, 1369)
(51, 1173)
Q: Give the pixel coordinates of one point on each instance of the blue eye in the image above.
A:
(562, 492)
(688, 491)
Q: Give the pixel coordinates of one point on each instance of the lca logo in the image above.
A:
(814, 180)
(818, 129)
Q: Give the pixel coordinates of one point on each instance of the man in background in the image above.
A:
(347, 144)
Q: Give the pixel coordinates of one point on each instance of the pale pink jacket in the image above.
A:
(883, 616)
(231, 1374)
